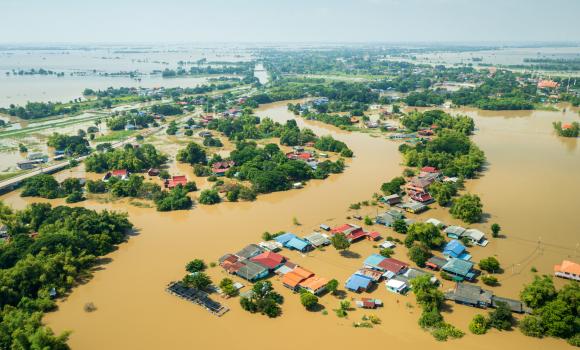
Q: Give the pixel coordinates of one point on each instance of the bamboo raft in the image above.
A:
(196, 296)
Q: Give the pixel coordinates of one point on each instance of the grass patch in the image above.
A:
(6, 176)
(116, 136)
(545, 107)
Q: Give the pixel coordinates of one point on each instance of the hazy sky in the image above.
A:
(288, 20)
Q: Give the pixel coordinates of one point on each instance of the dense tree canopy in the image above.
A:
(132, 158)
(68, 242)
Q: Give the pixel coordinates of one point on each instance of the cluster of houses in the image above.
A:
(34, 159)
(396, 275)
(309, 157)
(456, 261)
(255, 262)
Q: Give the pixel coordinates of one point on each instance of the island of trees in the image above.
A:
(51, 250)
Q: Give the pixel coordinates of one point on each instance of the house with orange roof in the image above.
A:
(293, 278)
(314, 284)
(547, 84)
(568, 269)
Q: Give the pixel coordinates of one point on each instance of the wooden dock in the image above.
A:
(196, 296)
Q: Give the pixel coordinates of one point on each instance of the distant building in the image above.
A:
(568, 269)
(547, 84)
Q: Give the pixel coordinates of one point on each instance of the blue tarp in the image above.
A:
(358, 282)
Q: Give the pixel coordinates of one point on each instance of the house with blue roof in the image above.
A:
(373, 261)
(358, 283)
(285, 238)
(460, 269)
(454, 249)
(298, 244)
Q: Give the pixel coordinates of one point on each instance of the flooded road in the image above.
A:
(531, 189)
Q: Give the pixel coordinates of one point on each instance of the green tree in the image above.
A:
(539, 292)
(501, 318)
(228, 288)
(368, 221)
(386, 252)
(393, 186)
(209, 197)
(443, 192)
(197, 280)
(490, 264)
(192, 154)
(339, 241)
(419, 254)
(559, 319)
(479, 324)
(427, 294)
(489, 280)
(400, 226)
(495, 229)
(332, 286)
(467, 208)
(426, 233)
(74, 197)
(532, 326)
(308, 300)
(196, 265)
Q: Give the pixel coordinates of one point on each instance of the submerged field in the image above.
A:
(527, 166)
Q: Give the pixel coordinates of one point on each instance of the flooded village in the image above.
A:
(213, 196)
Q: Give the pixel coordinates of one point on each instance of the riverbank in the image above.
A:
(133, 311)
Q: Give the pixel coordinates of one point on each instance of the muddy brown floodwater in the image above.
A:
(531, 189)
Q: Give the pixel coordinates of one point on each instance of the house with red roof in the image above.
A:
(373, 236)
(429, 169)
(220, 168)
(352, 232)
(175, 181)
(305, 156)
(422, 197)
(269, 260)
(121, 174)
(393, 265)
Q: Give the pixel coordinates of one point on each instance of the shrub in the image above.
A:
(467, 208)
(196, 265)
(227, 287)
(308, 300)
(490, 264)
(75, 197)
(495, 229)
(368, 221)
(489, 280)
(386, 252)
(209, 197)
(501, 318)
(532, 326)
(478, 325)
(430, 318)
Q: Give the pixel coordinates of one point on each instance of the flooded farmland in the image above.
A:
(528, 165)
